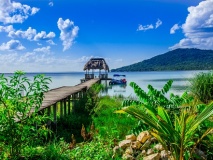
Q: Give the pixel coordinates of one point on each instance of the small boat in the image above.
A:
(118, 81)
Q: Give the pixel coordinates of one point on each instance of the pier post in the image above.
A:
(55, 112)
(48, 114)
(69, 98)
(65, 107)
(61, 108)
(74, 99)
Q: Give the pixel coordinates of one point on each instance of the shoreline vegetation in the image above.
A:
(109, 127)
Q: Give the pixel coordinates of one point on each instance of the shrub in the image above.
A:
(18, 128)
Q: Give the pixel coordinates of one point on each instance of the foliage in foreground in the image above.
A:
(17, 128)
(176, 131)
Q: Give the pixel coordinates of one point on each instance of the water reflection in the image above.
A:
(112, 89)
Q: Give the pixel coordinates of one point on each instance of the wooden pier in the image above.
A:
(66, 96)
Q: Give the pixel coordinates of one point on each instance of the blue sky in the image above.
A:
(62, 35)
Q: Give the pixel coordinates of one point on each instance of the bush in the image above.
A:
(17, 128)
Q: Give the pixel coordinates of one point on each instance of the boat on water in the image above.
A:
(117, 80)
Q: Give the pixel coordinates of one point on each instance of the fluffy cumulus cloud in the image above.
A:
(43, 49)
(198, 27)
(12, 45)
(149, 26)
(68, 32)
(15, 12)
(6, 28)
(174, 28)
(31, 34)
(44, 36)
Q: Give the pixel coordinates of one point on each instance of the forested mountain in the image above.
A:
(178, 59)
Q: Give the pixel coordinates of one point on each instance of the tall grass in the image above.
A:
(109, 124)
(202, 86)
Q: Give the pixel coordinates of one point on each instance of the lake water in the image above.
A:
(156, 78)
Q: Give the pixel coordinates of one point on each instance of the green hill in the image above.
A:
(178, 59)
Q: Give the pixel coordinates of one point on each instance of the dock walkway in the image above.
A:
(64, 95)
(55, 95)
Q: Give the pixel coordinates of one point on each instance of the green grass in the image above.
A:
(110, 124)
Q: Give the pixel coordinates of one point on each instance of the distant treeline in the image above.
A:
(178, 59)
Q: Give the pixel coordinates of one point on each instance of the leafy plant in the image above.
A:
(157, 98)
(176, 131)
(20, 101)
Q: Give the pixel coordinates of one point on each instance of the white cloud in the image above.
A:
(28, 34)
(6, 28)
(43, 49)
(144, 28)
(12, 45)
(39, 62)
(50, 42)
(84, 59)
(50, 4)
(15, 12)
(150, 26)
(198, 27)
(174, 28)
(31, 34)
(158, 23)
(68, 32)
(44, 36)
(39, 44)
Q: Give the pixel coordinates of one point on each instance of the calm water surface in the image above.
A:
(156, 78)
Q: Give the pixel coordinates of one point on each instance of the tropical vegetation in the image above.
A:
(181, 124)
